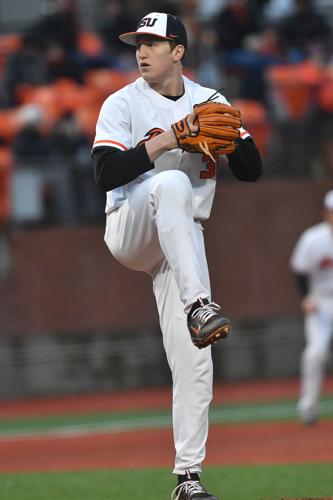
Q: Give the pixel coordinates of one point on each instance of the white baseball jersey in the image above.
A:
(137, 113)
(313, 255)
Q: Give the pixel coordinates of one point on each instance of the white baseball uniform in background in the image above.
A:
(153, 225)
(313, 256)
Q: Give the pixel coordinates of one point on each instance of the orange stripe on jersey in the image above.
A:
(111, 142)
(244, 133)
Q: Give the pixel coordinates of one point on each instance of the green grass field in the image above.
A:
(152, 419)
(266, 482)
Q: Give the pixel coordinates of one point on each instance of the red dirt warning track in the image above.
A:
(232, 392)
(228, 444)
(238, 444)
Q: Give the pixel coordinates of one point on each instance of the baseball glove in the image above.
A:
(214, 131)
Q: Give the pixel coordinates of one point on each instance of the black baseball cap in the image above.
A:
(161, 25)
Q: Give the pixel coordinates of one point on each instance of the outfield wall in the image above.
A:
(73, 319)
(65, 280)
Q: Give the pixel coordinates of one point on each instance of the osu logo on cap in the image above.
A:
(147, 21)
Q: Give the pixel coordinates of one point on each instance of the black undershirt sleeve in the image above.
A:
(115, 168)
(245, 162)
(302, 284)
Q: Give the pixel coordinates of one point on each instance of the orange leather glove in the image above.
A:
(214, 130)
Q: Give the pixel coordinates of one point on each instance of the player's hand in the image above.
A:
(167, 140)
(309, 306)
(160, 144)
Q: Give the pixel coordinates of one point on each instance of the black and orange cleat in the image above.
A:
(191, 490)
(206, 324)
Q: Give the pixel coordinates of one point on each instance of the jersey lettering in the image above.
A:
(153, 132)
(148, 22)
(210, 170)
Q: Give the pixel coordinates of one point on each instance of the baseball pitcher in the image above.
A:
(155, 150)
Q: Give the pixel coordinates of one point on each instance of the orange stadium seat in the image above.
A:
(90, 43)
(9, 42)
(106, 81)
(87, 118)
(71, 96)
(63, 96)
(43, 96)
(293, 88)
(9, 124)
(325, 97)
(255, 121)
(325, 94)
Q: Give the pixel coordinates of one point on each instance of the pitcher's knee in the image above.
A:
(174, 183)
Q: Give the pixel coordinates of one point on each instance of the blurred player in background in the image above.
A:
(312, 263)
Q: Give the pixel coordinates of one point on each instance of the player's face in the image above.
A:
(155, 59)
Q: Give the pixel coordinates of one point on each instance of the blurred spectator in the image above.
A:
(188, 14)
(72, 194)
(295, 89)
(60, 64)
(323, 140)
(274, 10)
(113, 20)
(30, 146)
(209, 72)
(27, 65)
(237, 20)
(66, 139)
(304, 30)
(48, 52)
(55, 166)
(58, 24)
(172, 6)
(300, 127)
(246, 47)
(208, 9)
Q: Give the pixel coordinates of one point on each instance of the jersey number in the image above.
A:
(210, 170)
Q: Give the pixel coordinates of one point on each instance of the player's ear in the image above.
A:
(178, 52)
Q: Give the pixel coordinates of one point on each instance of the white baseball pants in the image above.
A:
(318, 335)
(154, 231)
